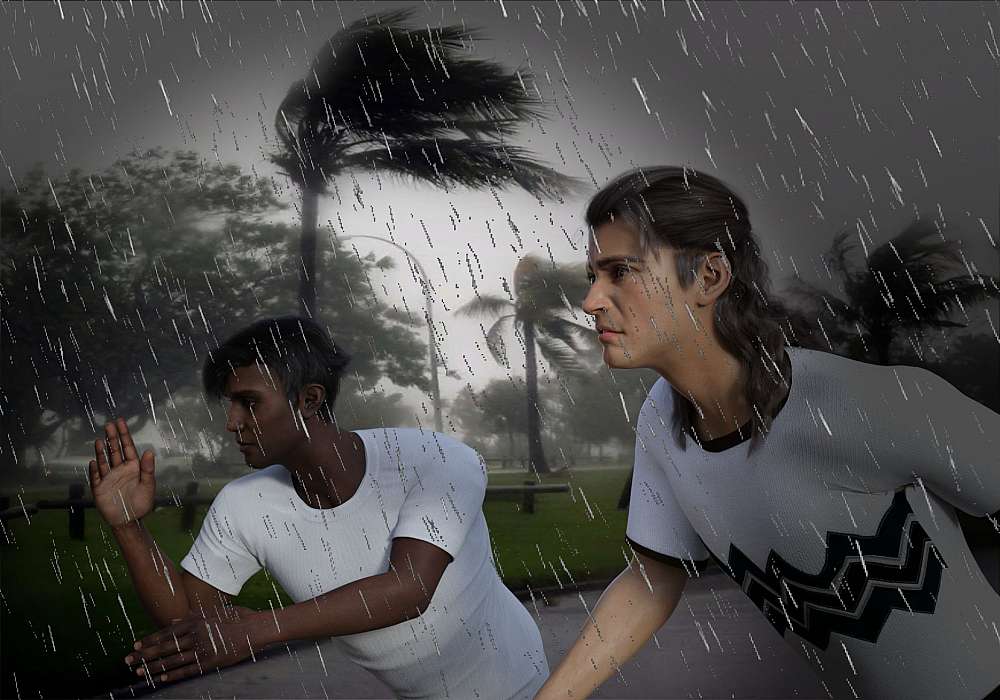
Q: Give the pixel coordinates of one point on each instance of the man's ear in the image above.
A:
(310, 399)
(713, 277)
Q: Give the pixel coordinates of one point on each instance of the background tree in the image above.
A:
(383, 98)
(115, 285)
(900, 288)
(543, 320)
(598, 409)
(492, 419)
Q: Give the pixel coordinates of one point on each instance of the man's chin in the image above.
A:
(618, 358)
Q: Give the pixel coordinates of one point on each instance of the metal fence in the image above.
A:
(76, 504)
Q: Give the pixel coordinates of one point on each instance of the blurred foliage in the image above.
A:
(891, 294)
(411, 103)
(115, 285)
(538, 311)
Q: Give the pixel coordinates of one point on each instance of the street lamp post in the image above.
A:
(431, 340)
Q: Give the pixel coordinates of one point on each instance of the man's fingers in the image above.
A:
(171, 634)
(95, 474)
(178, 674)
(147, 465)
(154, 654)
(102, 458)
(128, 447)
(113, 443)
(167, 663)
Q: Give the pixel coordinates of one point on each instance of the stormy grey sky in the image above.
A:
(820, 115)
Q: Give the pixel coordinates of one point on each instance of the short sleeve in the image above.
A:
(219, 555)
(656, 521)
(444, 493)
(938, 438)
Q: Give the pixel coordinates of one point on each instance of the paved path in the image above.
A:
(716, 645)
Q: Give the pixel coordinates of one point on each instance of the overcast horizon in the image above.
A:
(822, 116)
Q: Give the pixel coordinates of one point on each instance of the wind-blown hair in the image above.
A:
(292, 350)
(693, 214)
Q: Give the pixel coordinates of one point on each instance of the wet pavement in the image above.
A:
(716, 645)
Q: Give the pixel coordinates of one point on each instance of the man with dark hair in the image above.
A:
(825, 487)
(377, 535)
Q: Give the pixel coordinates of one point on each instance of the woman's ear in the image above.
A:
(713, 277)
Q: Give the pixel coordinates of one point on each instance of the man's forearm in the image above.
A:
(156, 578)
(360, 606)
(626, 615)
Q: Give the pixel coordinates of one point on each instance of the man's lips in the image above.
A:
(606, 334)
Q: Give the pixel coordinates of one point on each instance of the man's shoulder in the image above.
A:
(258, 484)
(818, 373)
(413, 441)
(659, 403)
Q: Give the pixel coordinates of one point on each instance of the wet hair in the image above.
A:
(293, 350)
(694, 214)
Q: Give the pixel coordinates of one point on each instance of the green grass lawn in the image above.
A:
(68, 614)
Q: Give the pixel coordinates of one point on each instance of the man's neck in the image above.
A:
(329, 468)
(713, 380)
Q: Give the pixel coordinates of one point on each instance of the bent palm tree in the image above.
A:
(537, 312)
(898, 289)
(407, 102)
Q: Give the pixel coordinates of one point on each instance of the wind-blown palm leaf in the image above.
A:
(463, 162)
(570, 334)
(495, 342)
(898, 287)
(379, 89)
(558, 355)
(821, 301)
(485, 305)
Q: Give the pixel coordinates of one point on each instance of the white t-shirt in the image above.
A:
(475, 640)
(841, 527)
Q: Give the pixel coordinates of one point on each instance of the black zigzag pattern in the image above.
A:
(901, 570)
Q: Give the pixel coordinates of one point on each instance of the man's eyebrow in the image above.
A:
(610, 260)
(242, 393)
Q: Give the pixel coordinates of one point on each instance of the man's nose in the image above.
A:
(234, 422)
(594, 301)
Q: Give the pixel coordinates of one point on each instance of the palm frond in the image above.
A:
(466, 163)
(956, 292)
(838, 257)
(578, 338)
(558, 355)
(495, 342)
(809, 297)
(485, 305)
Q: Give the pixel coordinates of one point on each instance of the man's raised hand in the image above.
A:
(123, 484)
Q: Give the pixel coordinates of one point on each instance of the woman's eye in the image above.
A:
(591, 278)
(621, 271)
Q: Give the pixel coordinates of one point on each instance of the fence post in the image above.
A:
(528, 499)
(187, 511)
(77, 512)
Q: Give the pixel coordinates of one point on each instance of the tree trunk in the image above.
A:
(536, 456)
(626, 497)
(307, 252)
(881, 342)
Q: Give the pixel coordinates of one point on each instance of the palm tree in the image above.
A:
(411, 103)
(902, 287)
(537, 310)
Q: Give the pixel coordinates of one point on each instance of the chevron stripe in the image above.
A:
(863, 579)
